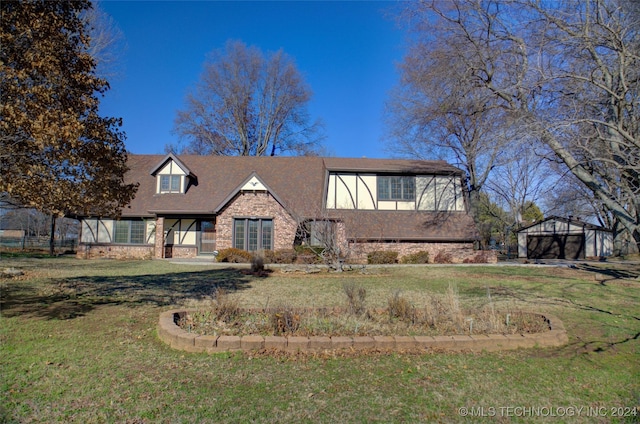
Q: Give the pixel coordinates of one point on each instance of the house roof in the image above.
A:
(574, 221)
(407, 225)
(298, 183)
(177, 161)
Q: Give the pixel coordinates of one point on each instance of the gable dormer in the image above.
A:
(173, 176)
(252, 184)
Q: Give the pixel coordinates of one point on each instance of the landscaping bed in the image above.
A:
(412, 321)
(439, 322)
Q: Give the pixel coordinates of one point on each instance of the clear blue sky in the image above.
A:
(347, 51)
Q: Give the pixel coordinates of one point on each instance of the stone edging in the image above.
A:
(177, 338)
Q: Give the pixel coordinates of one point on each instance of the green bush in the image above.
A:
(382, 257)
(421, 257)
(234, 255)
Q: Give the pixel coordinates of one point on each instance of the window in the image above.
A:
(253, 234)
(170, 184)
(130, 232)
(320, 233)
(397, 188)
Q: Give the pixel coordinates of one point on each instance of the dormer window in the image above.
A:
(170, 184)
(172, 176)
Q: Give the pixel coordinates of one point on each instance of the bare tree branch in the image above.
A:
(248, 104)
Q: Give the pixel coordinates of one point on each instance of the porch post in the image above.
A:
(159, 245)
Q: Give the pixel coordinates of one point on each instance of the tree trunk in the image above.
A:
(52, 234)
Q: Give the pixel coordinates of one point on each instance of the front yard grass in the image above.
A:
(79, 344)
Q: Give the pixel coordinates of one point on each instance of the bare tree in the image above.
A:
(439, 111)
(107, 40)
(248, 104)
(568, 73)
(522, 181)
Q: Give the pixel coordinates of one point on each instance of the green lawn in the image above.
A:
(79, 344)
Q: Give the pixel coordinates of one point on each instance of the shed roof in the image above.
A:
(573, 221)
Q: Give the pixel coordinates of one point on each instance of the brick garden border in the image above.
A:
(177, 338)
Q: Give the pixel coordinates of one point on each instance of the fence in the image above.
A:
(37, 243)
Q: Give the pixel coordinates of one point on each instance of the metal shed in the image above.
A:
(564, 238)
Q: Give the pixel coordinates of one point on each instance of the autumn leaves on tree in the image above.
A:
(58, 155)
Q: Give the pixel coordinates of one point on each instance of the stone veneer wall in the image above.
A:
(91, 251)
(458, 252)
(259, 205)
(178, 251)
(159, 240)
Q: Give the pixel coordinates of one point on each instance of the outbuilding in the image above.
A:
(564, 238)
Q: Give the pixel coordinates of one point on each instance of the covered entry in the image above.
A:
(564, 238)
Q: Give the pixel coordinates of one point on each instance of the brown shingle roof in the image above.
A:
(299, 183)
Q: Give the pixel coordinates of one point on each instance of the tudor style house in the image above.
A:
(188, 206)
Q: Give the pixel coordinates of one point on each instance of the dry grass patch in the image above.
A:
(440, 315)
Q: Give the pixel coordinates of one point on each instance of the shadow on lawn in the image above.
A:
(585, 342)
(628, 272)
(73, 297)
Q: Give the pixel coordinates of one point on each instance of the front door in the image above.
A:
(207, 237)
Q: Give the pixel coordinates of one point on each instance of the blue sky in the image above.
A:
(347, 51)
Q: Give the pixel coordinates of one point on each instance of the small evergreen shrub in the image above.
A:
(382, 257)
(421, 257)
(234, 255)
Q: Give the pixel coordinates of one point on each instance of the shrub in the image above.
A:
(421, 257)
(257, 264)
(382, 257)
(225, 308)
(283, 256)
(481, 257)
(443, 257)
(284, 320)
(401, 308)
(309, 254)
(355, 297)
(234, 255)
